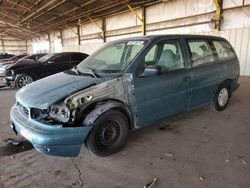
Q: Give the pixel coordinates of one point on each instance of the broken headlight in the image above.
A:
(59, 113)
(56, 113)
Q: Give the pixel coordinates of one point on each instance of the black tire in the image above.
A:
(220, 104)
(23, 80)
(109, 133)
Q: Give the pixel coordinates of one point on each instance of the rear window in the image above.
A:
(223, 50)
(77, 57)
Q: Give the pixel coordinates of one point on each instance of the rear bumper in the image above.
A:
(49, 139)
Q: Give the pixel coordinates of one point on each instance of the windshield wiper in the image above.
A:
(87, 71)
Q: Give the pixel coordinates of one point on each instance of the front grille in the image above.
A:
(24, 110)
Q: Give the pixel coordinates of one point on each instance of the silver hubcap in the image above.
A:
(223, 97)
(25, 80)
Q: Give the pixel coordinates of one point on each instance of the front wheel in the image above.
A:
(109, 133)
(23, 80)
(221, 98)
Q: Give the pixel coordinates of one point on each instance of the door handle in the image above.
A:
(186, 78)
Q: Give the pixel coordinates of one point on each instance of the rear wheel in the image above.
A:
(23, 80)
(109, 133)
(221, 98)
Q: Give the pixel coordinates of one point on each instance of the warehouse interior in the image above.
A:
(200, 148)
(55, 26)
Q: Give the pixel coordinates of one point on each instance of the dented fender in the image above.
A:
(102, 108)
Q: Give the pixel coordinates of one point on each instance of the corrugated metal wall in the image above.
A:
(13, 46)
(240, 40)
(177, 16)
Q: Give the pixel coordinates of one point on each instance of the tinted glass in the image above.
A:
(223, 49)
(45, 58)
(61, 58)
(77, 57)
(200, 52)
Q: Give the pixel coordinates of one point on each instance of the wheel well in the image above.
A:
(122, 108)
(30, 74)
(229, 83)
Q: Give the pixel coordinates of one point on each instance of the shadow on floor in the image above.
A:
(15, 147)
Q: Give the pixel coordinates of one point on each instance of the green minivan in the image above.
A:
(128, 84)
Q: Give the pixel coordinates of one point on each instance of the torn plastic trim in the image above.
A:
(101, 109)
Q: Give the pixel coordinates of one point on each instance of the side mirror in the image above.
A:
(151, 70)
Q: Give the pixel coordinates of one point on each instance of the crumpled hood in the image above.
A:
(53, 88)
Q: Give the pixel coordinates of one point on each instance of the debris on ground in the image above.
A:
(13, 142)
(150, 184)
(244, 162)
(227, 160)
(169, 154)
(202, 178)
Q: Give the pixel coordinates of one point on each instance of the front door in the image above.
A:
(167, 93)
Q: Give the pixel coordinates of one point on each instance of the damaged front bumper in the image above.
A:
(49, 139)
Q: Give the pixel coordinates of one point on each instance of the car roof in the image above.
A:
(153, 37)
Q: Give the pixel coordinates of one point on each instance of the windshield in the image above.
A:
(113, 57)
(45, 58)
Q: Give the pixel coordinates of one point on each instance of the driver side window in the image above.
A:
(165, 56)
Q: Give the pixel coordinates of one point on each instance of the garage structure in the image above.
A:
(55, 26)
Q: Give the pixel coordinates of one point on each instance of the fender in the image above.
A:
(102, 108)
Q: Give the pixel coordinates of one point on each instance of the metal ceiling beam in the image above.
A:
(37, 11)
(87, 13)
(30, 8)
(11, 8)
(14, 3)
(68, 12)
(49, 9)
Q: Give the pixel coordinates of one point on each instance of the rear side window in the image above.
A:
(77, 57)
(201, 52)
(62, 58)
(223, 50)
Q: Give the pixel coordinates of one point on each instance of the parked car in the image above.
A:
(5, 56)
(26, 71)
(5, 64)
(126, 85)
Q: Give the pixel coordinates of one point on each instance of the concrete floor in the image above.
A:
(194, 149)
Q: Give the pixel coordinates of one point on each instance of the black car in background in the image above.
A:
(5, 63)
(27, 71)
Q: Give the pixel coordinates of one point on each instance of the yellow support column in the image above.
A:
(218, 6)
(142, 19)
